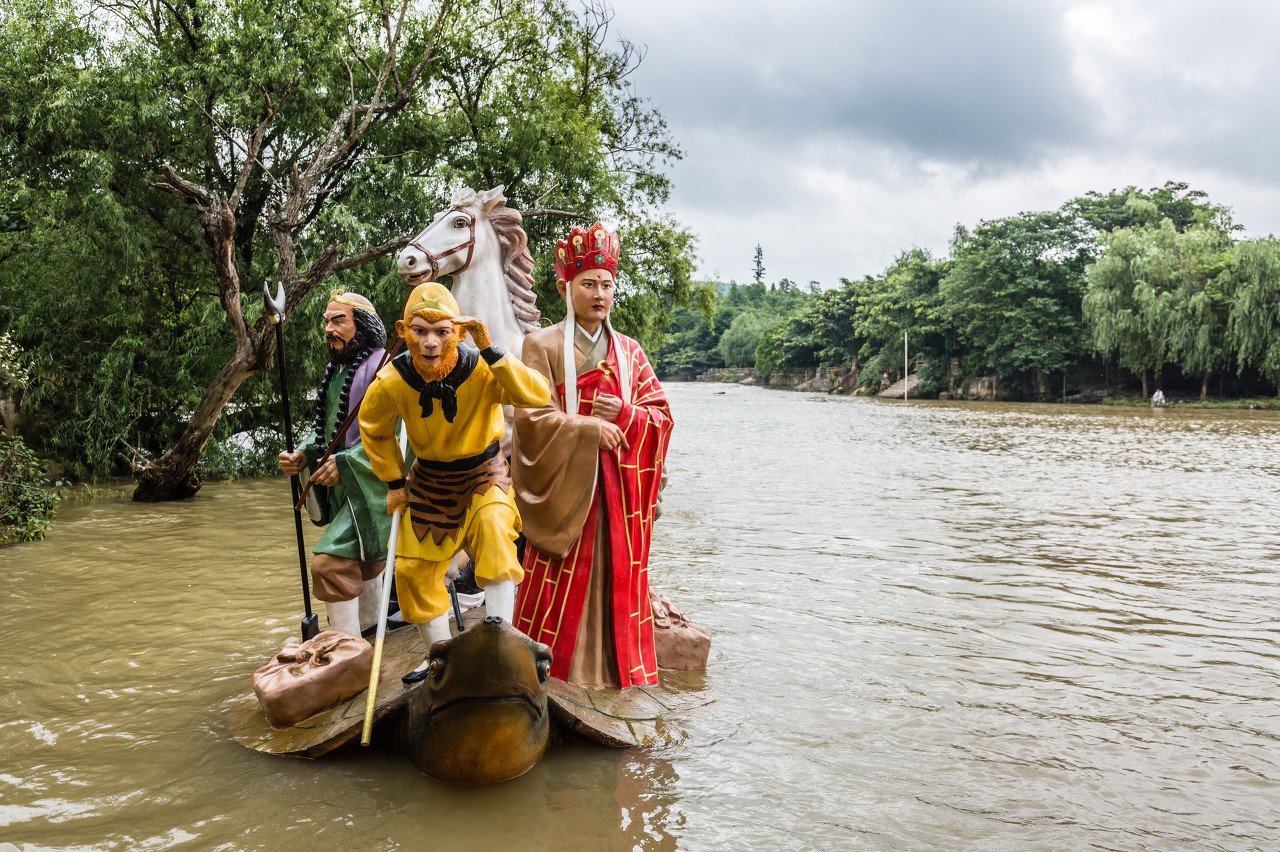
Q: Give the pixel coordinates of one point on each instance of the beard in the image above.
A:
(436, 372)
(347, 354)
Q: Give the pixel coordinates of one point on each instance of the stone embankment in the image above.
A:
(821, 379)
(844, 380)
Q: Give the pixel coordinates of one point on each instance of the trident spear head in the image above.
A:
(274, 305)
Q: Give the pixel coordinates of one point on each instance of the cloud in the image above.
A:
(837, 133)
(968, 81)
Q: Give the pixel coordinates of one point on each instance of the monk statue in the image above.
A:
(587, 468)
(352, 550)
(458, 490)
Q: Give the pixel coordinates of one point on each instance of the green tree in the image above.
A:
(1158, 295)
(1200, 304)
(738, 344)
(1121, 305)
(1130, 207)
(1013, 294)
(904, 298)
(1253, 324)
(285, 134)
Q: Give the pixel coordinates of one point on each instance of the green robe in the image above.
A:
(360, 525)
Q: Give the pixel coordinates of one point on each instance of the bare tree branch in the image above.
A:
(372, 253)
(250, 157)
(537, 211)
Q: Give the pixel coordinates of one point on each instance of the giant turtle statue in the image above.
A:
(481, 715)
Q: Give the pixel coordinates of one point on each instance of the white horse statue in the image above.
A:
(479, 241)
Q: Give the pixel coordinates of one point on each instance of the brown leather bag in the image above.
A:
(303, 680)
(680, 644)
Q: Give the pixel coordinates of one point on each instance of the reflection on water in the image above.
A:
(936, 625)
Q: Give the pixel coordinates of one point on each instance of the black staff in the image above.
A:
(275, 312)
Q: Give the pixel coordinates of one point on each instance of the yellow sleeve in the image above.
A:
(378, 416)
(520, 386)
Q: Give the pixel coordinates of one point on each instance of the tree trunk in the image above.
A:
(173, 476)
(1146, 391)
(1204, 388)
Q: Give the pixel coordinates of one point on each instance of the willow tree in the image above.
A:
(1201, 304)
(1158, 295)
(1121, 304)
(1253, 325)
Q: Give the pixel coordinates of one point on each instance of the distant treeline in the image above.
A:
(1130, 285)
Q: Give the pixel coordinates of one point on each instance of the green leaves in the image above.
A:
(26, 505)
(1143, 278)
(108, 284)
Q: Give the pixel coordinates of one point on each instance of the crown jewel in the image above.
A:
(595, 248)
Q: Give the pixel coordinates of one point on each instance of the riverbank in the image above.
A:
(843, 381)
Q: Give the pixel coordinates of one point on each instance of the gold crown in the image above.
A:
(595, 248)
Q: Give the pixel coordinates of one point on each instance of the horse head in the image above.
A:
(448, 245)
(480, 243)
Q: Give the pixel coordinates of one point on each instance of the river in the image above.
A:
(936, 625)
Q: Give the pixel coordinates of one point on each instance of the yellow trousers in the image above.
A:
(489, 535)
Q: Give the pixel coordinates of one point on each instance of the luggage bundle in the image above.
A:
(303, 680)
(678, 642)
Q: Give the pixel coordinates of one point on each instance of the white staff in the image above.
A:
(388, 577)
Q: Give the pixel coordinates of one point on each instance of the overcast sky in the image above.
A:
(836, 133)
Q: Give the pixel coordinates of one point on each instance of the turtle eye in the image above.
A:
(435, 668)
(544, 670)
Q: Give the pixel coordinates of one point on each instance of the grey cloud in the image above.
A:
(884, 124)
(967, 82)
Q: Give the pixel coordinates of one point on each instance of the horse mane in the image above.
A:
(517, 265)
(517, 262)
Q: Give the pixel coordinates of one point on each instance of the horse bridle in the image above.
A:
(469, 245)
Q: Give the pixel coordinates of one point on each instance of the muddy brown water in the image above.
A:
(953, 626)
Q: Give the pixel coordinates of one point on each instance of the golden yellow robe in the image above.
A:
(492, 522)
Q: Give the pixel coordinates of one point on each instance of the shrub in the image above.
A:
(26, 505)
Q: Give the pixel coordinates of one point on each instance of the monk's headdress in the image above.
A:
(595, 248)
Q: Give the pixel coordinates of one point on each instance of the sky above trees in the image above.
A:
(836, 133)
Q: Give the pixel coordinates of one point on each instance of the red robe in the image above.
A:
(551, 600)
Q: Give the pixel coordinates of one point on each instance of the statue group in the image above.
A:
(488, 428)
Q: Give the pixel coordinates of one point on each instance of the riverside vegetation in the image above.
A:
(161, 162)
(1110, 290)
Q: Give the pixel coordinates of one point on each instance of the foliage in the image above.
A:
(1145, 278)
(1130, 207)
(1253, 322)
(14, 377)
(26, 505)
(108, 282)
(693, 345)
(738, 343)
(1013, 295)
(251, 453)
